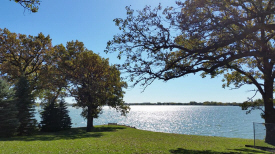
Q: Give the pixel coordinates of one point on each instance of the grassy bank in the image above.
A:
(120, 139)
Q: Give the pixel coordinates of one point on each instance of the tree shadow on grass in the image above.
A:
(268, 149)
(70, 134)
(185, 151)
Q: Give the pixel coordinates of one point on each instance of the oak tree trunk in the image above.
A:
(270, 133)
(90, 120)
(270, 124)
(269, 110)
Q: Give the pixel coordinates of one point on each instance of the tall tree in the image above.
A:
(8, 110)
(96, 83)
(25, 104)
(234, 38)
(31, 5)
(24, 56)
(24, 62)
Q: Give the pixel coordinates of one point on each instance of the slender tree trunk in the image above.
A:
(90, 120)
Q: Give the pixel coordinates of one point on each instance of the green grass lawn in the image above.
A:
(120, 139)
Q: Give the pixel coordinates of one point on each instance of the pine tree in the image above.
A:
(55, 117)
(50, 119)
(25, 104)
(64, 115)
(8, 111)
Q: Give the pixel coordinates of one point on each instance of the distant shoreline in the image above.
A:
(183, 104)
(191, 103)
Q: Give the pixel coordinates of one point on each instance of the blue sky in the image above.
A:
(91, 22)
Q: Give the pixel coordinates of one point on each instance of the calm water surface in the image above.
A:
(225, 121)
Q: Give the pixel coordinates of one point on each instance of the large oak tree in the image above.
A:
(24, 56)
(94, 82)
(234, 38)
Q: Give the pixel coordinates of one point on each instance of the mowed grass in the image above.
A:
(120, 139)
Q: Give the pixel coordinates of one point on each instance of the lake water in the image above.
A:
(225, 121)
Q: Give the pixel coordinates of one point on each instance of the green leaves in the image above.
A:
(95, 83)
(25, 56)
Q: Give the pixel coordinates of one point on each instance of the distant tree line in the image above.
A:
(251, 105)
(190, 103)
(32, 69)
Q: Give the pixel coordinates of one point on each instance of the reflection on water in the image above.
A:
(225, 121)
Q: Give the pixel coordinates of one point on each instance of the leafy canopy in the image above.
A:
(94, 82)
(228, 37)
(234, 38)
(25, 56)
(197, 36)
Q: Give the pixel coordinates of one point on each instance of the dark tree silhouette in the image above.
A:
(25, 105)
(65, 119)
(50, 120)
(55, 117)
(8, 111)
(233, 38)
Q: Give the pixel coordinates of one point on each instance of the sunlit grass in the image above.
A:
(120, 139)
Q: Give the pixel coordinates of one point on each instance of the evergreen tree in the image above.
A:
(55, 117)
(64, 115)
(8, 111)
(25, 104)
(50, 119)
